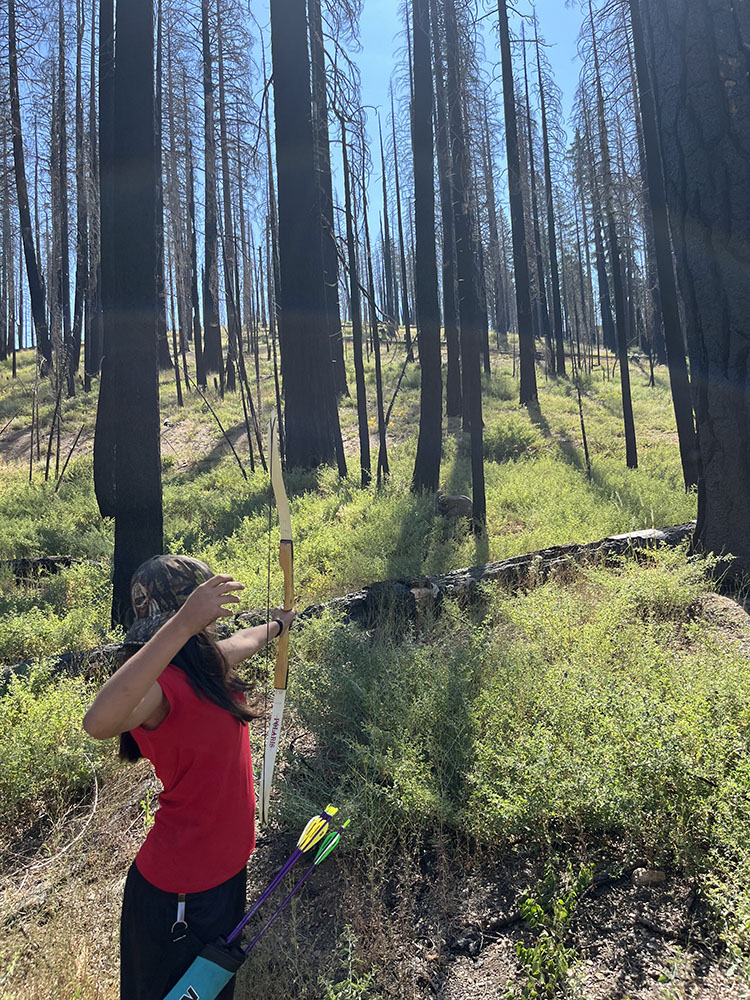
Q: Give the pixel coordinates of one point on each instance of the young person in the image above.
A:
(179, 702)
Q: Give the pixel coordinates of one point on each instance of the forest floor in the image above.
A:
(442, 908)
(452, 936)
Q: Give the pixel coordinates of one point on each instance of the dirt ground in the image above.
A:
(453, 938)
(447, 932)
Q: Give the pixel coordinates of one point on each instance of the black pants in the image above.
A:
(151, 962)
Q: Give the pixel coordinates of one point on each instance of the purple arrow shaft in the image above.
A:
(281, 906)
(288, 864)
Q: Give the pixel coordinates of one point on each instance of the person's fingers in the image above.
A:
(223, 580)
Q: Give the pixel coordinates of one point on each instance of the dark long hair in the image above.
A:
(212, 679)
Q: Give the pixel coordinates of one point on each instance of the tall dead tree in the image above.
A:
(703, 114)
(467, 267)
(356, 316)
(551, 224)
(33, 268)
(138, 498)
(325, 188)
(453, 391)
(500, 318)
(60, 185)
(678, 374)
(429, 446)
(631, 452)
(82, 236)
(528, 389)
(405, 312)
(162, 343)
(105, 442)
(544, 325)
(212, 350)
(313, 432)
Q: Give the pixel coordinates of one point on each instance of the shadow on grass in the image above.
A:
(238, 437)
(601, 482)
(439, 535)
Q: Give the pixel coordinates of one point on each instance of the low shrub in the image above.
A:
(47, 760)
(511, 438)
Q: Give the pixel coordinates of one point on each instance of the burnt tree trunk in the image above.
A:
(631, 452)
(33, 270)
(467, 267)
(545, 327)
(82, 239)
(162, 344)
(313, 432)
(325, 188)
(678, 374)
(703, 112)
(429, 447)
(138, 499)
(212, 352)
(405, 314)
(528, 390)
(105, 443)
(551, 232)
(356, 309)
(453, 392)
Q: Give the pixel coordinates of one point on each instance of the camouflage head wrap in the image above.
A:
(158, 589)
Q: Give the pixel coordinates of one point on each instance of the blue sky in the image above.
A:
(381, 29)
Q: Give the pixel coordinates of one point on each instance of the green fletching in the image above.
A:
(329, 842)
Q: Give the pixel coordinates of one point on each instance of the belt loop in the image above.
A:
(179, 927)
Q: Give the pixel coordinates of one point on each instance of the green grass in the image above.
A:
(69, 611)
(600, 711)
(603, 711)
(47, 760)
(538, 493)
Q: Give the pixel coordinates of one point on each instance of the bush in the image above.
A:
(69, 611)
(47, 760)
(511, 438)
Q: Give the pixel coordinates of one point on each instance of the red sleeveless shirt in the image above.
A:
(204, 829)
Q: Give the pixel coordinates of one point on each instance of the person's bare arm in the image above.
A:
(242, 645)
(132, 696)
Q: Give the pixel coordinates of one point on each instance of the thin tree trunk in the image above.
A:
(405, 314)
(498, 293)
(234, 329)
(33, 271)
(162, 343)
(200, 365)
(64, 231)
(82, 239)
(356, 308)
(631, 452)
(528, 390)
(105, 442)
(212, 350)
(94, 329)
(325, 187)
(453, 390)
(551, 234)
(545, 328)
(467, 270)
(383, 466)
